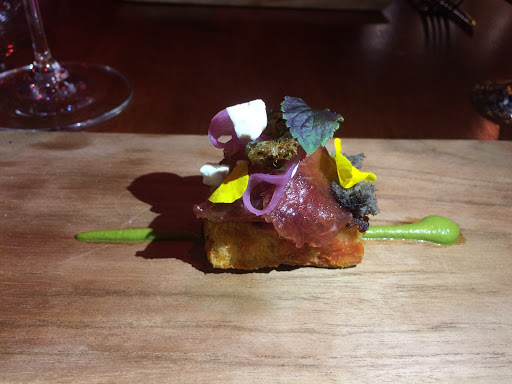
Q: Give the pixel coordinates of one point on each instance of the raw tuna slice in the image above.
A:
(308, 212)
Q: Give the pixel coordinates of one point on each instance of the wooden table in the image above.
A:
(156, 312)
(384, 72)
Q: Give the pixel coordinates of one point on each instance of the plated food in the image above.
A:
(278, 196)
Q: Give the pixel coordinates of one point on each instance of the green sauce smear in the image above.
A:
(433, 229)
(135, 235)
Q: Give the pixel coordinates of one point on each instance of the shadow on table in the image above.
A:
(172, 197)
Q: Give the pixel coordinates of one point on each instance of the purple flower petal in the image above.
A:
(221, 125)
(280, 181)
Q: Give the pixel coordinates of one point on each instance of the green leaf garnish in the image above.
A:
(311, 127)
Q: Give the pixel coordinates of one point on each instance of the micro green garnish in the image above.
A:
(311, 127)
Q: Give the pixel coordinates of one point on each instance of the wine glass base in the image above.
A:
(100, 93)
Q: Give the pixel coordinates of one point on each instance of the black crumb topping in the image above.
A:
(360, 198)
(356, 160)
(362, 222)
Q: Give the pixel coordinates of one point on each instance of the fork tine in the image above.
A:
(448, 9)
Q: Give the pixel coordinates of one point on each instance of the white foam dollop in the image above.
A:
(214, 174)
(249, 119)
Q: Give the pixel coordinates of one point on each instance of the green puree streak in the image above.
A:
(433, 229)
(135, 235)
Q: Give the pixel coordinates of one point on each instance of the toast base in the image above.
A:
(243, 245)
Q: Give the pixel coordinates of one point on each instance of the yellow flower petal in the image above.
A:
(233, 186)
(348, 174)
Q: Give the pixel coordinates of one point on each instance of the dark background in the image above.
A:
(384, 72)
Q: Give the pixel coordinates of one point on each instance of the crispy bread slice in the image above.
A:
(243, 245)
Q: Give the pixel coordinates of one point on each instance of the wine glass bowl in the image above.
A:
(8, 9)
(46, 95)
(9, 12)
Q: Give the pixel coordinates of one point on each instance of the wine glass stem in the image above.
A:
(44, 65)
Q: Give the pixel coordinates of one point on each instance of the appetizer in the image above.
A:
(278, 196)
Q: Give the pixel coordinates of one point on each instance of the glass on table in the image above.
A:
(9, 12)
(46, 95)
(493, 99)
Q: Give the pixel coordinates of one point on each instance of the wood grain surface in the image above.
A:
(156, 312)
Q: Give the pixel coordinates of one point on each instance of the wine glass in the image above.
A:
(9, 10)
(493, 100)
(49, 96)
